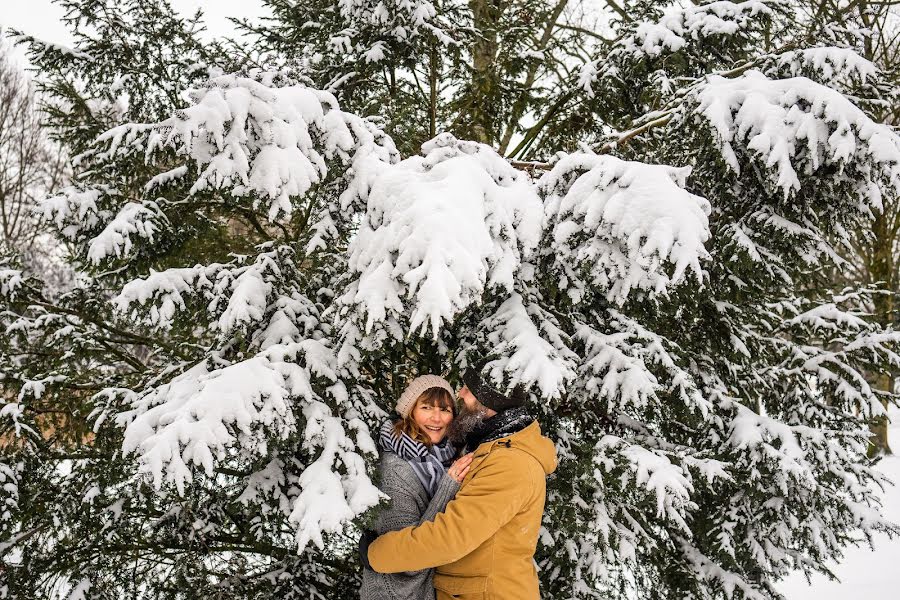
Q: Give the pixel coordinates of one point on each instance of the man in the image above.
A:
(483, 544)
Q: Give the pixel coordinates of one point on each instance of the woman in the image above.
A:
(414, 473)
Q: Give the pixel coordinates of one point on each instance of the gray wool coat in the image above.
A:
(409, 505)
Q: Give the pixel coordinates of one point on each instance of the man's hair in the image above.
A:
(432, 397)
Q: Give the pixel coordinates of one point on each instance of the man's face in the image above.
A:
(470, 415)
(468, 398)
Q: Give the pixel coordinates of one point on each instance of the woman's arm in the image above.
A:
(400, 483)
(446, 491)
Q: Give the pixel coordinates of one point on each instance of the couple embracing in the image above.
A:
(467, 495)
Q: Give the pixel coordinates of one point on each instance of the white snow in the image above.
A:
(9, 490)
(624, 223)
(195, 417)
(523, 351)
(75, 209)
(439, 230)
(132, 219)
(259, 138)
(167, 289)
(870, 573)
(206, 417)
(10, 281)
(832, 65)
(680, 24)
(779, 119)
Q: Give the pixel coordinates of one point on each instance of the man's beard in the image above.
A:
(464, 423)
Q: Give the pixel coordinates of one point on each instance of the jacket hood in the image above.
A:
(531, 440)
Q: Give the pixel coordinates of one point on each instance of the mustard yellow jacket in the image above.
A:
(483, 543)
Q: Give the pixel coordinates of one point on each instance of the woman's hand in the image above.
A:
(460, 467)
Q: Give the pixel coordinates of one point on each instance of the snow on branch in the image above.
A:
(677, 29)
(707, 569)
(260, 136)
(772, 439)
(526, 351)
(399, 20)
(619, 367)
(92, 215)
(624, 225)
(652, 470)
(10, 281)
(829, 341)
(196, 416)
(796, 127)
(132, 219)
(165, 292)
(679, 25)
(208, 417)
(9, 490)
(238, 294)
(828, 317)
(831, 64)
(438, 231)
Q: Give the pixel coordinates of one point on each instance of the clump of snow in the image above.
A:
(236, 295)
(656, 473)
(167, 289)
(680, 24)
(619, 367)
(832, 65)
(623, 225)
(260, 138)
(86, 214)
(132, 219)
(10, 281)
(399, 20)
(202, 417)
(440, 229)
(530, 348)
(75, 209)
(196, 416)
(9, 490)
(794, 124)
(679, 27)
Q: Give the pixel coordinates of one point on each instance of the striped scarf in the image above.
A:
(428, 463)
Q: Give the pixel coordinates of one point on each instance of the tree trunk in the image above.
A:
(479, 122)
(881, 270)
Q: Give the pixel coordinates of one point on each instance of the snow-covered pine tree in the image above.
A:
(475, 69)
(661, 298)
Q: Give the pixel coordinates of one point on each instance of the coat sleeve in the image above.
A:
(489, 500)
(403, 509)
(446, 490)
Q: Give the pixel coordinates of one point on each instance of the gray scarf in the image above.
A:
(429, 463)
(500, 425)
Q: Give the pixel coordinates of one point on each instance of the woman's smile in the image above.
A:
(433, 420)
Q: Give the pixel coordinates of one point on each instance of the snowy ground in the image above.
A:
(864, 573)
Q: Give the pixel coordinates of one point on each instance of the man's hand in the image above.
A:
(460, 467)
(368, 536)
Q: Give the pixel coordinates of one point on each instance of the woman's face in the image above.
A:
(433, 420)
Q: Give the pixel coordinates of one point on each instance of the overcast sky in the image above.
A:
(42, 18)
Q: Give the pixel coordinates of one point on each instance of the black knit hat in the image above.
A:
(478, 382)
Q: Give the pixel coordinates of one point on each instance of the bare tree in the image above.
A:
(31, 166)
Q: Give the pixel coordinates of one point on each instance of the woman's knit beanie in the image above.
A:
(416, 388)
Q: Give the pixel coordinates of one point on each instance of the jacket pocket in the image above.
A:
(459, 587)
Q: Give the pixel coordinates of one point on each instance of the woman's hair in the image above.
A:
(432, 397)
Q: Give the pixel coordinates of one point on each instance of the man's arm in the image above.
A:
(484, 504)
